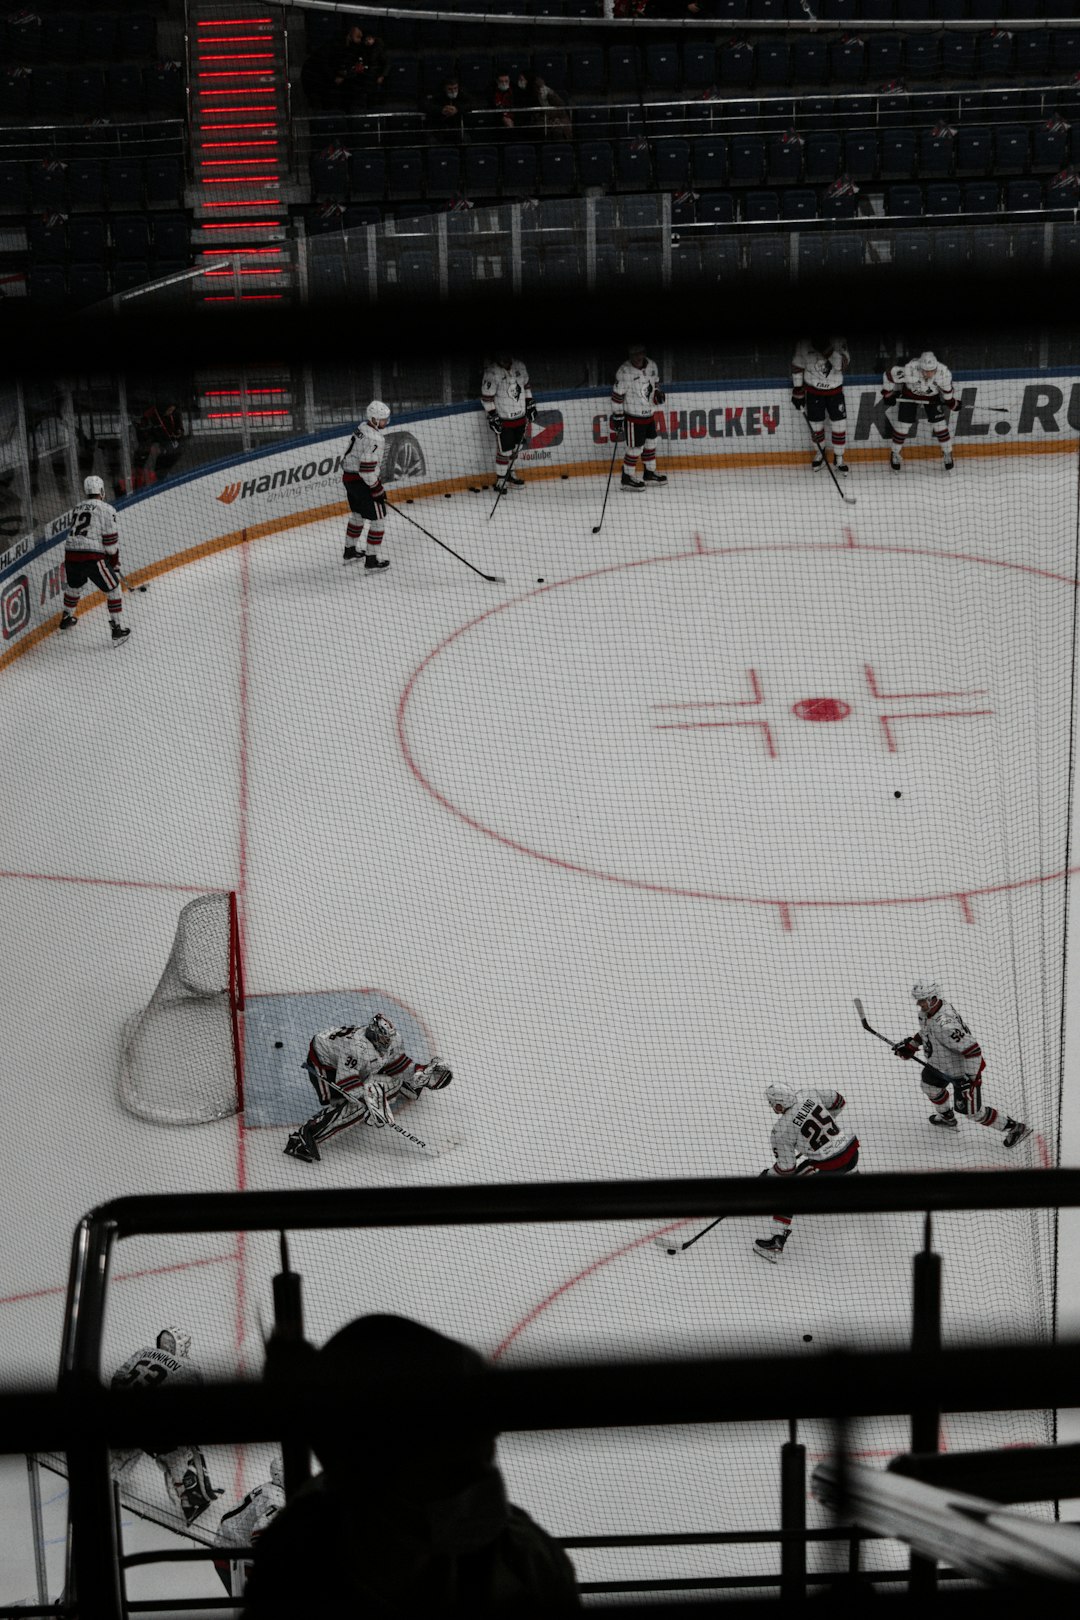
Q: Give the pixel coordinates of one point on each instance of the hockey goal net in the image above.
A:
(180, 1061)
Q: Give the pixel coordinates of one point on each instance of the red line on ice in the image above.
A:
(115, 883)
(876, 691)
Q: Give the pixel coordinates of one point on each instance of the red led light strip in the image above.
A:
(239, 225)
(244, 298)
(233, 22)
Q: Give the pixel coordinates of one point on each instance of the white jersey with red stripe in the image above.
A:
(93, 531)
(364, 456)
(346, 1058)
(809, 1129)
(151, 1367)
(635, 389)
(948, 1043)
(910, 383)
(820, 373)
(505, 391)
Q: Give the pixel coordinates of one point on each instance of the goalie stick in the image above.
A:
(410, 1136)
(870, 1030)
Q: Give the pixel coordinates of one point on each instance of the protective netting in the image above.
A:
(179, 1062)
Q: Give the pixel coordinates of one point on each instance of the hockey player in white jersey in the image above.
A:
(817, 387)
(920, 385)
(806, 1140)
(634, 397)
(507, 399)
(184, 1467)
(242, 1526)
(363, 487)
(954, 1062)
(92, 557)
(357, 1074)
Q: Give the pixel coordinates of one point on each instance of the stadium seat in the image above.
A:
(911, 250)
(355, 217)
(995, 53)
(48, 94)
(366, 174)
(746, 154)
(63, 38)
(810, 247)
(1012, 149)
(563, 266)
(720, 258)
(729, 10)
(125, 90)
(698, 65)
(475, 73)
(663, 69)
(773, 62)
(767, 10)
(136, 36)
(403, 79)
(798, 202)
(736, 62)
(974, 150)
(981, 197)
(519, 170)
(46, 284)
(838, 10)
(1032, 53)
(1022, 195)
(686, 263)
(898, 154)
(87, 284)
(683, 210)
(435, 68)
(481, 177)
(532, 270)
(87, 238)
(957, 55)
(164, 181)
(416, 272)
(131, 236)
(884, 58)
(172, 237)
(14, 188)
(558, 169)
(990, 247)
(708, 162)
(633, 165)
(903, 200)
(128, 273)
(587, 68)
(459, 271)
(49, 186)
(1049, 150)
(809, 61)
(124, 182)
(623, 68)
(638, 216)
(844, 252)
(935, 154)
(442, 171)
(715, 208)
(1066, 252)
(861, 154)
(920, 56)
(164, 87)
(761, 205)
(821, 159)
(783, 161)
(739, 117)
(943, 197)
(1065, 50)
(767, 256)
(671, 162)
(48, 243)
(99, 42)
(596, 163)
(86, 88)
(847, 60)
(327, 272)
(1029, 246)
(551, 66)
(951, 250)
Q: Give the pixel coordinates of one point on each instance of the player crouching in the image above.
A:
(806, 1140)
(357, 1074)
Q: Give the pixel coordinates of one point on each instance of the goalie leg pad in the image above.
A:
(194, 1490)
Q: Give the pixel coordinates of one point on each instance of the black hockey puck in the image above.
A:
(448, 494)
(539, 582)
(564, 477)
(896, 793)
(807, 1338)
(278, 1045)
(408, 502)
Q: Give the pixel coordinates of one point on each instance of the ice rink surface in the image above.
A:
(627, 832)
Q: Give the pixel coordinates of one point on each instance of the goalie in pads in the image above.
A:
(357, 1074)
(184, 1467)
(806, 1140)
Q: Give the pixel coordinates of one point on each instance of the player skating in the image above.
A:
(806, 1140)
(507, 399)
(363, 487)
(357, 1074)
(242, 1526)
(817, 386)
(920, 385)
(954, 1060)
(92, 557)
(184, 1467)
(634, 396)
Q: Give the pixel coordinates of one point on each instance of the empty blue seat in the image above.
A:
(715, 208)
(809, 61)
(63, 37)
(128, 273)
(784, 160)
(686, 262)
(943, 197)
(86, 238)
(596, 163)
(481, 171)
(1066, 252)
(951, 250)
(124, 182)
(99, 37)
(698, 65)
(163, 84)
(767, 10)
(1028, 246)
(519, 170)
(172, 236)
(86, 87)
(623, 68)
(767, 256)
(730, 10)
(761, 205)
(811, 250)
(911, 250)
(1022, 195)
(990, 247)
(663, 69)
(49, 185)
(898, 153)
(48, 93)
(798, 202)
(974, 150)
(671, 161)
(1011, 149)
(843, 252)
(708, 162)
(403, 79)
(475, 73)
(736, 60)
(920, 56)
(46, 284)
(903, 200)
(164, 180)
(14, 188)
(552, 67)
(995, 53)
(639, 216)
(720, 258)
(87, 284)
(442, 171)
(416, 271)
(329, 175)
(1065, 50)
(837, 10)
(958, 55)
(563, 265)
(847, 60)
(126, 92)
(746, 156)
(821, 159)
(131, 236)
(48, 243)
(558, 170)
(366, 174)
(1031, 53)
(981, 196)
(861, 154)
(884, 58)
(683, 212)
(436, 67)
(136, 36)
(587, 68)
(1049, 150)
(935, 154)
(773, 62)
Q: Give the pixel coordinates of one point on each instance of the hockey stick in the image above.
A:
(607, 486)
(850, 499)
(665, 1243)
(131, 589)
(492, 579)
(870, 1030)
(506, 475)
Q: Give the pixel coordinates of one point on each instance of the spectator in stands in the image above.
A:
(407, 1517)
(503, 102)
(446, 108)
(347, 73)
(158, 434)
(553, 116)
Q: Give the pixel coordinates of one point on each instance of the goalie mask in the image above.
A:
(380, 1032)
(175, 1341)
(780, 1097)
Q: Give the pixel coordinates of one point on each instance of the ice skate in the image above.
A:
(1015, 1131)
(373, 560)
(894, 461)
(818, 461)
(947, 462)
(839, 464)
(350, 554)
(68, 621)
(120, 633)
(771, 1248)
(946, 1120)
(626, 482)
(651, 477)
(514, 481)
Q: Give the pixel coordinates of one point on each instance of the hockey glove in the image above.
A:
(195, 1490)
(953, 404)
(838, 1102)
(376, 490)
(494, 422)
(530, 410)
(435, 1074)
(659, 397)
(798, 398)
(908, 1048)
(618, 424)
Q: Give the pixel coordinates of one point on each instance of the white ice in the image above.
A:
(500, 803)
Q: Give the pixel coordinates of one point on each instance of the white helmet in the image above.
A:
(378, 413)
(926, 990)
(93, 485)
(277, 1472)
(927, 363)
(780, 1097)
(175, 1341)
